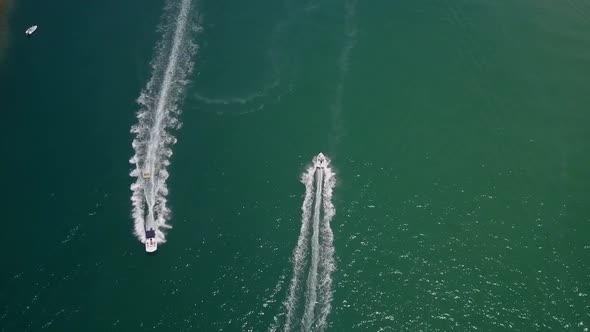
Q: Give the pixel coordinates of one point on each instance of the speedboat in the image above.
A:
(146, 174)
(151, 244)
(31, 30)
(320, 161)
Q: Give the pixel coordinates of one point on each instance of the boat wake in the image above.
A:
(315, 252)
(158, 115)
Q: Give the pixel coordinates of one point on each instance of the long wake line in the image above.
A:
(158, 113)
(327, 258)
(312, 279)
(300, 252)
(314, 251)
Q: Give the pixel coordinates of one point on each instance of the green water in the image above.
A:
(458, 131)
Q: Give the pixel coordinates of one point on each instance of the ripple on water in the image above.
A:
(423, 265)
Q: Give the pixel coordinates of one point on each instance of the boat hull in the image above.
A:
(31, 30)
(151, 245)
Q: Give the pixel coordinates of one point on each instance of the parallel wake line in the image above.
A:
(327, 257)
(312, 278)
(300, 252)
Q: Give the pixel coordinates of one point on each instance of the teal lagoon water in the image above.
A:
(458, 132)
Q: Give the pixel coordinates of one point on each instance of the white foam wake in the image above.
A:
(159, 108)
(300, 252)
(319, 184)
(312, 278)
(327, 255)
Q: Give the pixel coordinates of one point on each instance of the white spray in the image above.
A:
(157, 115)
(300, 252)
(327, 254)
(319, 183)
(312, 277)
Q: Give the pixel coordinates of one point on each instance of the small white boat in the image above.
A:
(31, 30)
(320, 161)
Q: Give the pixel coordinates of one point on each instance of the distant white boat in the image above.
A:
(31, 30)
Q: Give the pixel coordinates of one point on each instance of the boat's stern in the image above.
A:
(151, 244)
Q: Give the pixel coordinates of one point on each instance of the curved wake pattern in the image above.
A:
(158, 114)
(315, 252)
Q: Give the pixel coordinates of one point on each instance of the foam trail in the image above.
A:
(300, 252)
(312, 278)
(327, 251)
(157, 115)
(316, 241)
